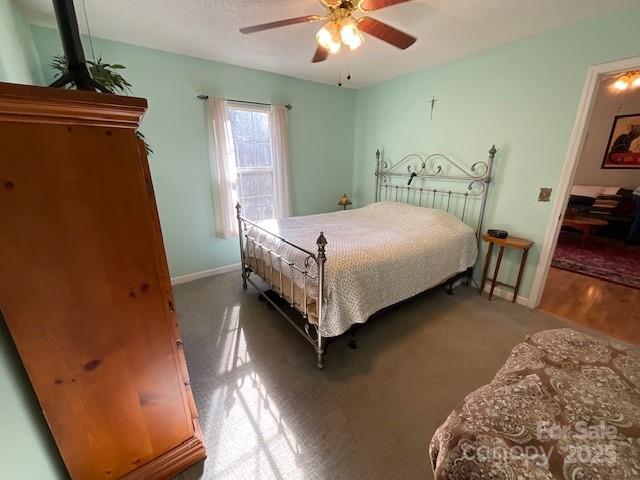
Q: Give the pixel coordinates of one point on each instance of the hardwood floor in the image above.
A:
(607, 307)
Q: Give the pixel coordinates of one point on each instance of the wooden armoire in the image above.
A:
(84, 284)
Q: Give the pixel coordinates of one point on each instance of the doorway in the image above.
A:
(587, 272)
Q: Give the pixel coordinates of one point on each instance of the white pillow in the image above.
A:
(611, 190)
(587, 190)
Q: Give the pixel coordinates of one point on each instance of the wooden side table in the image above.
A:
(512, 242)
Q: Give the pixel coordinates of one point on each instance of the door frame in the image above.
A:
(576, 143)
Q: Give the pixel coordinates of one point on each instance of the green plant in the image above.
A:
(104, 73)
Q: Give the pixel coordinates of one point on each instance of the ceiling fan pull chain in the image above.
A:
(86, 19)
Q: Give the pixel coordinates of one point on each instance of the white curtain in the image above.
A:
(223, 170)
(280, 155)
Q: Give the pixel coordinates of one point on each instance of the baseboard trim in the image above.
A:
(507, 294)
(205, 273)
(499, 291)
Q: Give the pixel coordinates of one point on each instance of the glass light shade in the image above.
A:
(344, 201)
(622, 83)
(329, 38)
(636, 81)
(350, 34)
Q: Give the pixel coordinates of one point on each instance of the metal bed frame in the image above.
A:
(413, 167)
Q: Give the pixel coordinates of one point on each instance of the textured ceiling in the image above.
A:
(446, 29)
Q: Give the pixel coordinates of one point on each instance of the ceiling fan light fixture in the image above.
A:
(350, 34)
(329, 37)
(341, 28)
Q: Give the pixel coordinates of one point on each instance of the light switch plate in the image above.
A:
(545, 194)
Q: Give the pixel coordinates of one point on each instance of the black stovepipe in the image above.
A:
(77, 71)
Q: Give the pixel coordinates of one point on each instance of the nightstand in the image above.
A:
(511, 242)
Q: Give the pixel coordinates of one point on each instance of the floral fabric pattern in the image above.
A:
(565, 405)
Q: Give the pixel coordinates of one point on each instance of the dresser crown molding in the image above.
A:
(31, 104)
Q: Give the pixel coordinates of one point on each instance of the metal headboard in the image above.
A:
(420, 171)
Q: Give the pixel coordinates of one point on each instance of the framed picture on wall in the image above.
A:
(623, 148)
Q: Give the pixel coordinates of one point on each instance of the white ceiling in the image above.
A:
(446, 29)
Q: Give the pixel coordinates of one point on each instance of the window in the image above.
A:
(251, 136)
(249, 163)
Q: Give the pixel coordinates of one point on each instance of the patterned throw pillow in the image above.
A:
(606, 204)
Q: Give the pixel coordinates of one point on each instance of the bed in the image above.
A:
(566, 405)
(336, 270)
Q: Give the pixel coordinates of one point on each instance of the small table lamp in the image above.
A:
(344, 201)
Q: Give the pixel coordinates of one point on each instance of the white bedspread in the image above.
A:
(377, 255)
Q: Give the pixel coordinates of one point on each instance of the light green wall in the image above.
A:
(19, 62)
(523, 97)
(26, 448)
(321, 131)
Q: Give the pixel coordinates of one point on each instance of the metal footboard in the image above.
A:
(262, 261)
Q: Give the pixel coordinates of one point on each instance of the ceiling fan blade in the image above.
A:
(370, 5)
(386, 33)
(320, 55)
(280, 23)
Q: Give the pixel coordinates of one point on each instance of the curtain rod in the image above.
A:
(203, 96)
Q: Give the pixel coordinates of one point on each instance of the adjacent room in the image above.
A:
(595, 274)
(319, 239)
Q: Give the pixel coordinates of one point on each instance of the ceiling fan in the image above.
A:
(342, 28)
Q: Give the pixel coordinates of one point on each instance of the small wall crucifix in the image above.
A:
(433, 104)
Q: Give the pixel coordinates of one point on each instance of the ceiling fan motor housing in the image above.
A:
(340, 11)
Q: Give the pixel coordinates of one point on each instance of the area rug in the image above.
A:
(602, 258)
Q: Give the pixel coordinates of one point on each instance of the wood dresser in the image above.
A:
(84, 284)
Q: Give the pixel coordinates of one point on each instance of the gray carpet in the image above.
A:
(267, 412)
